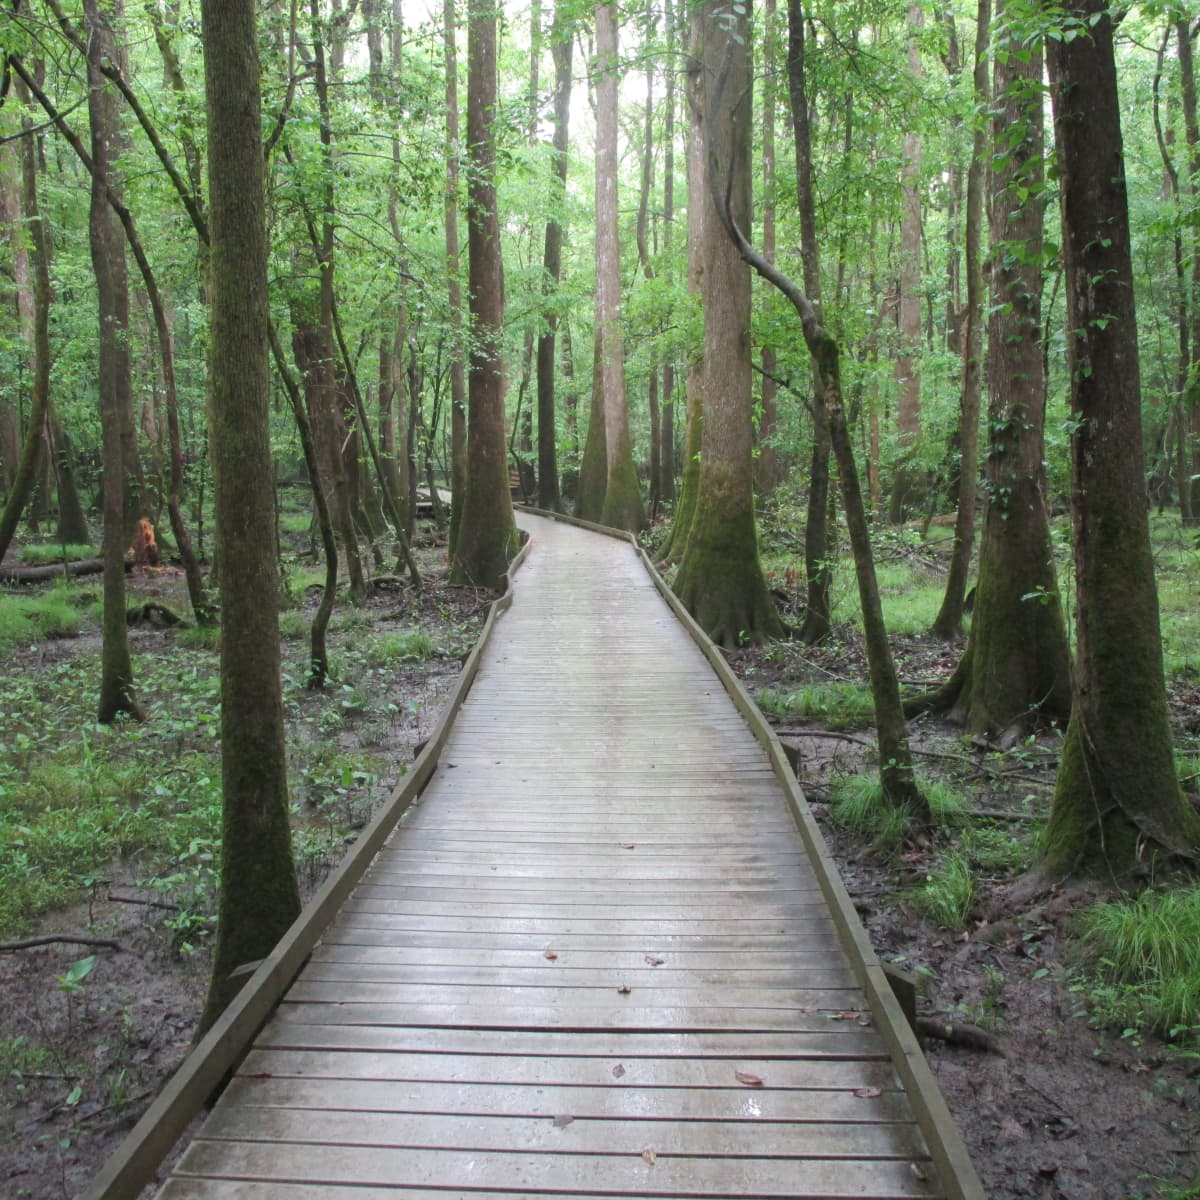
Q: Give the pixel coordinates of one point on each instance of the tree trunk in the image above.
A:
(720, 580)
(488, 537)
(117, 694)
(948, 622)
(767, 474)
(681, 528)
(1017, 662)
(458, 384)
(622, 494)
(667, 423)
(25, 474)
(1117, 801)
(593, 467)
(818, 546)
(561, 44)
(259, 896)
(908, 371)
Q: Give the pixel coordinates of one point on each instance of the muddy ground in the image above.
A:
(1058, 1109)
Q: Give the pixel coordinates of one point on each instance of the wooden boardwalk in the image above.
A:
(593, 960)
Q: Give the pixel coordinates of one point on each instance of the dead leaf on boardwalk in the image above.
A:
(654, 960)
(863, 1019)
(618, 1071)
(844, 1016)
(649, 1156)
(748, 1079)
(918, 1170)
(628, 845)
(551, 955)
(624, 989)
(868, 1093)
(562, 1121)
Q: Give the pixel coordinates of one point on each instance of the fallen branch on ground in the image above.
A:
(51, 939)
(958, 1033)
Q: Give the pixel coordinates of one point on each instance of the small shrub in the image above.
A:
(857, 806)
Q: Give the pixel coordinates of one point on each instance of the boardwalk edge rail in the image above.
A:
(134, 1163)
(946, 1147)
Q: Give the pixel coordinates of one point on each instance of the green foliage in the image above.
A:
(837, 705)
(998, 849)
(410, 646)
(41, 554)
(948, 892)
(38, 616)
(1143, 958)
(857, 806)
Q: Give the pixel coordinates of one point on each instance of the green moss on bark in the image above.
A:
(623, 507)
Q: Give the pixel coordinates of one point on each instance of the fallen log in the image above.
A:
(41, 574)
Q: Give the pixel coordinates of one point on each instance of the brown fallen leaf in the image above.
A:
(618, 1071)
(748, 1079)
(562, 1121)
(654, 960)
(844, 1016)
(551, 955)
(627, 845)
(868, 1093)
(918, 1170)
(624, 989)
(863, 1019)
(649, 1156)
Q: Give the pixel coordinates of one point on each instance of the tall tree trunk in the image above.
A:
(10, 300)
(643, 249)
(1017, 662)
(259, 896)
(593, 467)
(681, 528)
(622, 494)
(720, 580)
(818, 547)
(73, 529)
(458, 384)
(561, 43)
(767, 474)
(25, 472)
(1117, 798)
(488, 538)
(948, 622)
(908, 370)
(1191, 125)
(117, 694)
(667, 422)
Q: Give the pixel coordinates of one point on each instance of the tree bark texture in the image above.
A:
(1117, 799)
(623, 506)
(1017, 662)
(720, 580)
(487, 540)
(117, 694)
(259, 896)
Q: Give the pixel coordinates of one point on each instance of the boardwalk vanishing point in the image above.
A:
(603, 953)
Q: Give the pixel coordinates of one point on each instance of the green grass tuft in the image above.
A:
(413, 646)
(948, 893)
(838, 705)
(857, 806)
(1145, 961)
(43, 554)
(38, 617)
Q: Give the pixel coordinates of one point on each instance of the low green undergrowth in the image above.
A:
(836, 705)
(413, 645)
(857, 806)
(42, 554)
(1143, 962)
(39, 616)
(948, 893)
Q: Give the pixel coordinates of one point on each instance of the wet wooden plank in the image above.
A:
(629, 1174)
(844, 1040)
(759, 1139)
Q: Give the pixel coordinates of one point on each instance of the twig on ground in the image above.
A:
(958, 1033)
(166, 904)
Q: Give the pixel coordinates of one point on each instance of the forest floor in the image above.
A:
(1060, 1107)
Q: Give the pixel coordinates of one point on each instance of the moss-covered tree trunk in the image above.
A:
(1017, 663)
(720, 580)
(259, 897)
(117, 694)
(623, 507)
(1117, 800)
(487, 540)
